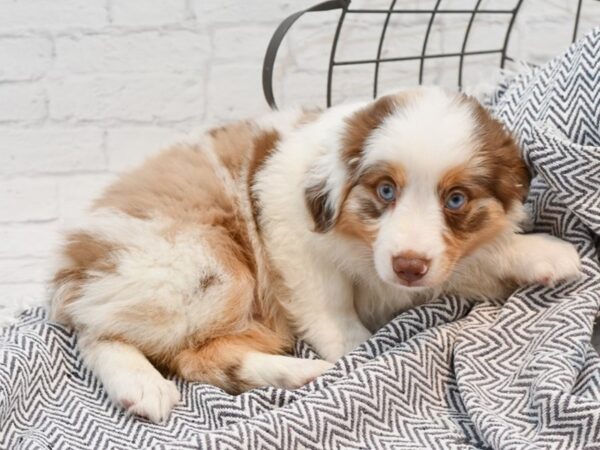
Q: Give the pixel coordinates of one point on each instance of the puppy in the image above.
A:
(209, 259)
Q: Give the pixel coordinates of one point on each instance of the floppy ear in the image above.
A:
(324, 188)
(321, 206)
(508, 169)
(513, 176)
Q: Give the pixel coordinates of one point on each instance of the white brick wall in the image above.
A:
(88, 88)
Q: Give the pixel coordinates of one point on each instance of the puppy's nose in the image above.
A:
(410, 266)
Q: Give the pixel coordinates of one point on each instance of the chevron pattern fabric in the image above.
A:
(450, 374)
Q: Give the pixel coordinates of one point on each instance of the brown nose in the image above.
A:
(410, 266)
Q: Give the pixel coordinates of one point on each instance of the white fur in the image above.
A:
(429, 134)
(153, 274)
(130, 379)
(281, 371)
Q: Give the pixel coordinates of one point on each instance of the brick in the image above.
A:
(540, 42)
(24, 58)
(51, 150)
(352, 83)
(243, 96)
(251, 11)
(37, 240)
(128, 147)
(16, 296)
(405, 34)
(24, 270)
(76, 194)
(24, 199)
(303, 89)
(143, 12)
(130, 98)
(359, 38)
(21, 102)
(241, 43)
(144, 52)
(35, 14)
(394, 76)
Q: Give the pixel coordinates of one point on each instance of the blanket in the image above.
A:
(450, 374)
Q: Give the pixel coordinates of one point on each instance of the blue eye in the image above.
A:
(456, 200)
(386, 191)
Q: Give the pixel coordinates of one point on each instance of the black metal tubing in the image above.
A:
(434, 12)
(577, 16)
(428, 11)
(380, 48)
(413, 58)
(426, 40)
(504, 58)
(277, 38)
(336, 37)
(464, 44)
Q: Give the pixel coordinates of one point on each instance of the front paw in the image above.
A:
(552, 262)
(144, 393)
(335, 347)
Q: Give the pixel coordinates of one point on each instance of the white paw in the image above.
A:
(333, 348)
(260, 369)
(145, 393)
(554, 261)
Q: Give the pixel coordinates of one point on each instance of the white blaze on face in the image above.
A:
(427, 137)
(415, 225)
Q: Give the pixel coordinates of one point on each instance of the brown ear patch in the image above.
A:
(508, 176)
(358, 127)
(317, 202)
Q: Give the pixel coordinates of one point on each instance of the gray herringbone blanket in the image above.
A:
(451, 374)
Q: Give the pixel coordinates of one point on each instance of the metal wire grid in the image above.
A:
(436, 11)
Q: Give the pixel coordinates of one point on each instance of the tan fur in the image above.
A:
(232, 144)
(263, 145)
(85, 254)
(358, 128)
(354, 221)
(308, 116)
(461, 245)
(493, 182)
(182, 185)
(507, 177)
(218, 360)
(362, 207)
(179, 183)
(361, 124)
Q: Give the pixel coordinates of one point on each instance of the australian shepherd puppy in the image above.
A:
(207, 261)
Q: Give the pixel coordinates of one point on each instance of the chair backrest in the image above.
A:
(431, 14)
